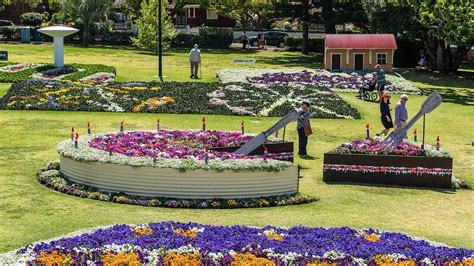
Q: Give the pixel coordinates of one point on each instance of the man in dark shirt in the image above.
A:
(303, 121)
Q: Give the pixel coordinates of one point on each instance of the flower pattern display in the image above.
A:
(238, 245)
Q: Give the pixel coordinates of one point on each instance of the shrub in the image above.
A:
(10, 32)
(119, 37)
(187, 40)
(296, 43)
(215, 37)
(31, 19)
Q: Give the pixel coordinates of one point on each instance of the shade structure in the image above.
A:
(58, 33)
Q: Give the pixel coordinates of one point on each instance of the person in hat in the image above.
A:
(303, 127)
(385, 114)
(379, 80)
(401, 113)
(195, 60)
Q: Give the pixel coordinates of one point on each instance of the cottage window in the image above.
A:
(191, 12)
(211, 14)
(382, 59)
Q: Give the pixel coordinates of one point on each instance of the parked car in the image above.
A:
(4, 23)
(272, 38)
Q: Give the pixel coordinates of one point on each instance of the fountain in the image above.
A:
(58, 33)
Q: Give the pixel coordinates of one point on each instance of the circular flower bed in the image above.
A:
(175, 144)
(376, 146)
(173, 243)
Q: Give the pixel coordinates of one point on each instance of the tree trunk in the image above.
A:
(328, 16)
(441, 56)
(457, 58)
(86, 35)
(305, 25)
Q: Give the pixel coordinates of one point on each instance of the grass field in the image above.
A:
(30, 212)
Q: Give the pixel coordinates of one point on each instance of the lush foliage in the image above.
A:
(171, 156)
(32, 19)
(176, 144)
(208, 37)
(174, 97)
(173, 243)
(216, 37)
(378, 146)
(14, 72)
(296, 43)
(147, 38)
(52, 178)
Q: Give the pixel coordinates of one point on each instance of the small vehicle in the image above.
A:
(368, 92)
(272, 38)
(4, 23)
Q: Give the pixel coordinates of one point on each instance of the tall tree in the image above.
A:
(248, 13)
(147, 38)
(88, 12)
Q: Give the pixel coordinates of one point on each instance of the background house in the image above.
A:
(359, 51)
(194, 15)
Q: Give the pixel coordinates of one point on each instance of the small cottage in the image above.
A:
(359, 51)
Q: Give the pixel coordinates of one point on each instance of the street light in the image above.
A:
(160, 44)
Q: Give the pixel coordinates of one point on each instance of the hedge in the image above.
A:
(296, 44)
(208, 37)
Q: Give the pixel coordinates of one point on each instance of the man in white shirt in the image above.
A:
(195, 60)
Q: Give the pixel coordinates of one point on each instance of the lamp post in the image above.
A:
(160, 44)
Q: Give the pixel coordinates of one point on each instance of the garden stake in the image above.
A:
(206, 156)
(109, 144)
(121, 127)
(72, 134)
(204, 124)
(88, 129)
(242, 126)
(76, 145)
(158, 124)
(437, 143)
(367, 129)
(414, 135)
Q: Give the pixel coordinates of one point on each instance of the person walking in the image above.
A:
(401, 113)
(261, 41)
(303, 127)
(385, 114)
(379, 80)
(195, 60)
(244, 40)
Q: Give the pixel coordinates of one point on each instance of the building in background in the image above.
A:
(194, 15)
(359, 51)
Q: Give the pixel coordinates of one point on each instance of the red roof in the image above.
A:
(360, 41)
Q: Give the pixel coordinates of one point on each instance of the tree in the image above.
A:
(441, 24)
(87, 12)
(147, 37)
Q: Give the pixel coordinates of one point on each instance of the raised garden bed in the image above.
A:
(419, 171)
(374, 161)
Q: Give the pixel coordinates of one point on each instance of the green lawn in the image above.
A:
(30, 212)
(138, 65)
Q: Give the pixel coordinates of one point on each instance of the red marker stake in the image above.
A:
(265, 152)
(414, 135)
(76, 144)
(204, 124)
(242, 127)
(72, 134)
(437, 143)
(88, 128)
(158, 124)
(367, 129)
(206, 155)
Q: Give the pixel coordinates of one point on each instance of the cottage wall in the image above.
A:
(370, 57)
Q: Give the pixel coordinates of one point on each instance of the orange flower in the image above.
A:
(54, 258)
(189, 259)
(372, 237)
(248, 259)
(385, 260)
(189, 233)
(130, 259)
(270, 234)
(143, 231)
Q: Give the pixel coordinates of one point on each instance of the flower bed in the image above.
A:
(373, 161)
(174, 243)
(321, 78)
(13, 72)
(174, 97)
(101, 77)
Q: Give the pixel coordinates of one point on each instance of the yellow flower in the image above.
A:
(192, 233)
(272, 235)
(153, 103)
(372, 237)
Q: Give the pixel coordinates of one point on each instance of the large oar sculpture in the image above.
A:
(260, 139)
(433, 101)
